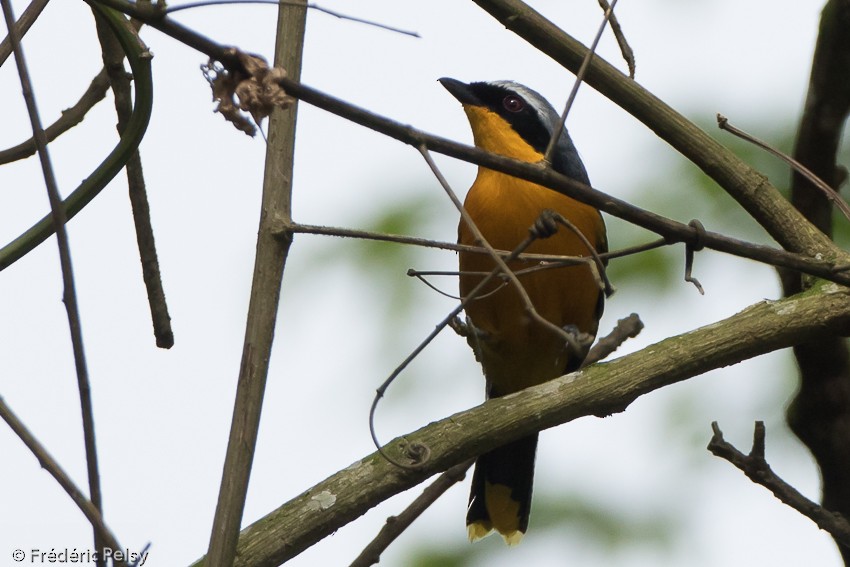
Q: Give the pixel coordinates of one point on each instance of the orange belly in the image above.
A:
(515, 351)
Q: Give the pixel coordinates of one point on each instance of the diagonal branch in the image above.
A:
(599, 390)
(396, 525)
(48, 463)
(70, 117)
(530, 309)
(22, 26)
(69, 293)
(672, 230)
(746, 185)
(626, 328)
(757, 195)
(113, 163)
(758, 470)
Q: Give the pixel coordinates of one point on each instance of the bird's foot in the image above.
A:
(578, 342)
(545, 225)
(473, 335)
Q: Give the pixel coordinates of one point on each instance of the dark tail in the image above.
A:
(501, 491)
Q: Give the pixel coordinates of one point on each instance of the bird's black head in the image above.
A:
(526, 112)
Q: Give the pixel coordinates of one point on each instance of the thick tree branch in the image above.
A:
(749, 187)
(139, 60)
(820, 413)
(673, 231)
(599, 390)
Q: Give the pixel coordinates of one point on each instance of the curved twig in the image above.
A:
(95, 93)
(139, 59)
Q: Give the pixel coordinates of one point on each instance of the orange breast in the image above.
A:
(517, 351)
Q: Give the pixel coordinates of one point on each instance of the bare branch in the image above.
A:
(69, 295)
(746, 185)
(626, 328)
(285, 231)
(312, 6)
(113, 60)
(625, 48)
(819, 414)
(556, 134)
(396, 525)
(111, 165)
(48, 463)
(22, 26)
(95, 93)
(829, 193)
(756, 468)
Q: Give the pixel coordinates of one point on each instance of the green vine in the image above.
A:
(139, 59)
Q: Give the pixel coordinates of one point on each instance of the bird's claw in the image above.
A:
(578, 342)
(545, 225)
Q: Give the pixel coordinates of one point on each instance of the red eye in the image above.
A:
(513, 103)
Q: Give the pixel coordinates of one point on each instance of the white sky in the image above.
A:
(163, 416)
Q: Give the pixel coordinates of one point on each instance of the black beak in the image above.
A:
(460, 91)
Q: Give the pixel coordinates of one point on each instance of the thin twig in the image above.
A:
(413, 452)
(636, 249)
(295, 227)
(69, 296)
(828, 192)
(204, 3)
(396, 525)
(601, 389)
(113, 163)
(502, 265)
(22, 26)
(48, 463)
(70, 117)
(625, 48)
(600, 274)
(113, 59)
(758, 470)
(556, 134)
(672, 231)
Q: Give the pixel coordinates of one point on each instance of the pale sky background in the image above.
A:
(163, 417)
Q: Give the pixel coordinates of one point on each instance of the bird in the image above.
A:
(514, 350)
